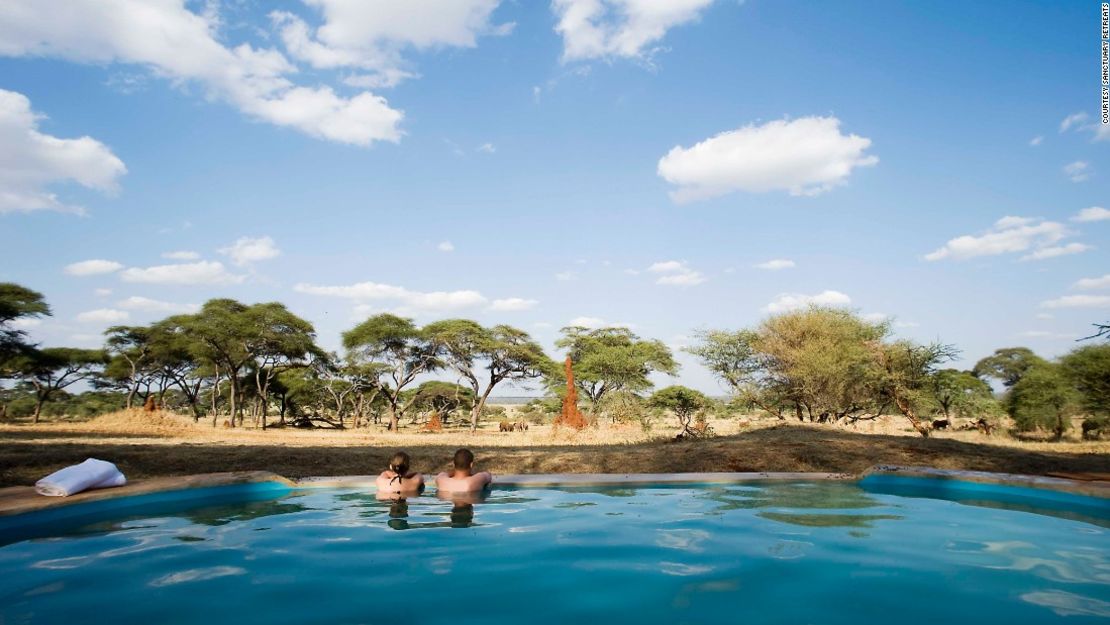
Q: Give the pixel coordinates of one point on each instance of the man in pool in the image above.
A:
(463, 479)
(397, 479)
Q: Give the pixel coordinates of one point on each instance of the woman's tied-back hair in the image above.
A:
(400, 464)
(464, 458)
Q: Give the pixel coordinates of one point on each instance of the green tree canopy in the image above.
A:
(612, 359)
(1088, 369)
(1007, 365)
(54, 368)
(399, 349)
(1043, 399)
(492, 355)
(960, 393)
(16, 303)
(683, 402)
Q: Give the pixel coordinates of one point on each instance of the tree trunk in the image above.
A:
(39, 401)
(394, 421)
(479, 407)
(908, 411)
(134, 388)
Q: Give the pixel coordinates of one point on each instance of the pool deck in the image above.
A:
(20, 499)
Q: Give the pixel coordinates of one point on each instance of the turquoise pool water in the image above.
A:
(878, 551)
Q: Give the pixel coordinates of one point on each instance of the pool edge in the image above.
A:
(22, 499)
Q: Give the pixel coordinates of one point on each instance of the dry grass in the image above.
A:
(146, 445)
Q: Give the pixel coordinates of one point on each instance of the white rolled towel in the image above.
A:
(71, 480)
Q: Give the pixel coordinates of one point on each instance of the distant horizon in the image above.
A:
(667, 167)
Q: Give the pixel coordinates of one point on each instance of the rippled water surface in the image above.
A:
(776, 553)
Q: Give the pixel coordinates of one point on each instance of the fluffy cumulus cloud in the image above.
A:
(31, 161)
(446, 246)
(776, 264)
(94, 267)
(1082, 122)
(1009, 235)
(676, 273)
(1093, 213)
(203, 272)
(794, 301)
(406, 301)
(181, 255)
(1093, 283)
(146, 304)
(1078, 171)
(370, 37)
(513, 304)
(1078, 301)
(805, 156)
(247, 250)
(185, 47)
(607, 29)
(103, 315)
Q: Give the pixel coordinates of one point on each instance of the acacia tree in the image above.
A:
(960, 393)
(1088, 370)
(54, 368)
(129, 348)
(733, 358)
(277, 340)
(1007, 365)
(611, 359)
(684, 403)
(1043, 398)
(503, 352)
(17, 303)
(398, 350)
(907, 370)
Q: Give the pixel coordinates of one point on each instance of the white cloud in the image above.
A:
(103, 315)
(794, 301)
(603, 29)
(31, 162)
(1057, 250)
(1078, 301)
(184, 47)
(203, 272)
(875, 317)
(446, 246)
(587, 322)
(805, 156)
(1035, 141)
(103, 292)
(487, 148)
(1010, 235)
(24, 323)
(1044, 316)
(512, 304)
(371, 36)
(408, 301)
(676, 273)
(181, 255)
(1093, 283)
(1093, 213)
(778, 263)
(247, 250)
(565, 276)
(146, 304)
(667, 266)
(686, 278)
(1075, 120)
(1078, 171)
(93, 267)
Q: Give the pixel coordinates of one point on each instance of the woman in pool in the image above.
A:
(398, 479)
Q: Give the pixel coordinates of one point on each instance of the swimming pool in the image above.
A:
(882, 550)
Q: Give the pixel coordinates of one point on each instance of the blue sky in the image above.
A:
(321, 153)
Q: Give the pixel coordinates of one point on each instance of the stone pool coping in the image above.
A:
(20, 499)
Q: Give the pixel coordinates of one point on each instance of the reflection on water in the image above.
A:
(799, 498)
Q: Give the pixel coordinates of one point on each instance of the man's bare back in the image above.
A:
(463, 479)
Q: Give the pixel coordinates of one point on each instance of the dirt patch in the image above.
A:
(165, 445)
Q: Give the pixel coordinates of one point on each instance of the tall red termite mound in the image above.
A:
(570, 415)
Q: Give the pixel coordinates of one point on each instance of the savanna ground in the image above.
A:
(162, 444)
